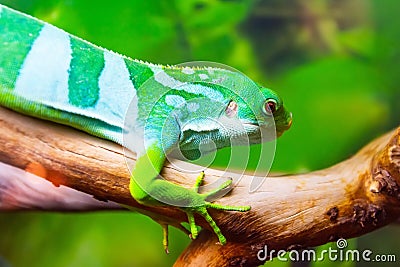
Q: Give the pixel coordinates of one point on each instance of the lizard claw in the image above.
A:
(165, 237)
(165, 226)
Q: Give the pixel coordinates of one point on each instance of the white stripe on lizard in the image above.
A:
(44, 74)
(116, 89)
(175, 101)
(164, 79)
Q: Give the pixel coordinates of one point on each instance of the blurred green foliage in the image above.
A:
(334, 62)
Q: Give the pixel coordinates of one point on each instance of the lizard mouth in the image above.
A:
(262, 133)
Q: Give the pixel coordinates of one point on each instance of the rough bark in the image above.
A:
(21, 190)
(288, 212)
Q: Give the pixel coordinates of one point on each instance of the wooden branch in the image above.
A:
(21, 190)
(288, 212)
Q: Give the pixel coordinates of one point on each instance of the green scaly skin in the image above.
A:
(150, 109)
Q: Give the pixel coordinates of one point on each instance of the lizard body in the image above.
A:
(151, 109)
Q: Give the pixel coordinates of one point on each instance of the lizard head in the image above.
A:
(221, 107)
(247, 116)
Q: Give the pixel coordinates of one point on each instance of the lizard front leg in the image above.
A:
(149, 189)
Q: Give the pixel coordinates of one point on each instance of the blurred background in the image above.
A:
(334, 62)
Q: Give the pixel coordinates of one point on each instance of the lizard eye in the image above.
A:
(231, 109)
(269, 106)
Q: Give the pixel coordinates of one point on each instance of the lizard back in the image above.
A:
(50, 74)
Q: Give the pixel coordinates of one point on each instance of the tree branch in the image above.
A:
(20, 190)
(288, 212)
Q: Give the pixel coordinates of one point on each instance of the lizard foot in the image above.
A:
(202, 209)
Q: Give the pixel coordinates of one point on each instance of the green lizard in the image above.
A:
(50, 74)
